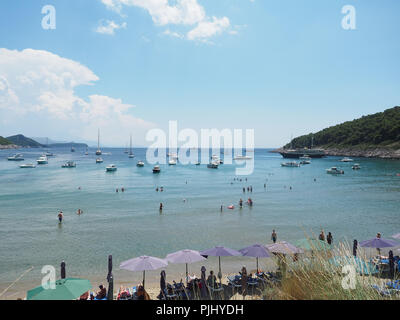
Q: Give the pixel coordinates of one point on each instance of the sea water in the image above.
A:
(296, 202)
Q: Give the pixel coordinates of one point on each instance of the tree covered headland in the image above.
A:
(377, 130)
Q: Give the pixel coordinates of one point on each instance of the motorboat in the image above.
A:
(356, 166)
(346, 160)
(16, 157)
(172, 155)
(42, 160)
(49, 154)
(156, 169)
(99, 160)
(27, 166)
(305, 162)
(69, 164)
(172, 162)
(213, 165)
(198, 163)
(334, 170)
(72, 149)
(292, 164)
(140, 164)
(305, 157)
(111, 168)
(242, 158)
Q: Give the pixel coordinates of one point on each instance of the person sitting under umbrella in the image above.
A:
(102, 293)
(142, 294)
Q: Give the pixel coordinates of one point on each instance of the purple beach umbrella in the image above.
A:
(378, 243)
(283, 247)
(256, 251)
(396, 236)
(185, 256)
(220, 252)
(143, 263)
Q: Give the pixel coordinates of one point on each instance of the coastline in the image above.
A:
(376, 153)
(9, 146)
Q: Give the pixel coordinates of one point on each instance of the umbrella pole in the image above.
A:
(220, 273)
(144, 275)
(187, 274)
(257, 265)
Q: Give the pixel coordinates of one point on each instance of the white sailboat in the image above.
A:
(98, 151)
(131, 155)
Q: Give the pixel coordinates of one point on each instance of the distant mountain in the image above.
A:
(376, 135)
(22, 141)
(45, 140)
(4, 141)
(68, 145)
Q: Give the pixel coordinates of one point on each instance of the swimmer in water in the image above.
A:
(123, 189)
(241, 203)
(116, 190)
(161, 207)
(60, 216)
(157, 189)
(79, 212)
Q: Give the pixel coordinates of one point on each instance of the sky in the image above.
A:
(282, 68)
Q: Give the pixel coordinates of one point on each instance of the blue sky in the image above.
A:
(279, 67)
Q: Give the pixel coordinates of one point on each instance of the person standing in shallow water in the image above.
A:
(60, 216)
(161, 207)
(274, 236)
(329, 238)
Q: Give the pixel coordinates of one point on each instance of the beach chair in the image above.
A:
(170, 293)
(382, 291)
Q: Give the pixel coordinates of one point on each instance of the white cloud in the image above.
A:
(173, 34)
(178, 12)
(109, 27)
(208, 29)
(41, 85)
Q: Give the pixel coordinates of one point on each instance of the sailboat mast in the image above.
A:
(98, 139)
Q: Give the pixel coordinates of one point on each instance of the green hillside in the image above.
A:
(4, 141)
(21, 140)
(377, 130)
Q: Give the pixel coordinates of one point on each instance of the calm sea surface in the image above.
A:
(353, 206)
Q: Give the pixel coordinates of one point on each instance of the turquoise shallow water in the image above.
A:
(355, 205)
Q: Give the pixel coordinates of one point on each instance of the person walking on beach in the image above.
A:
(274, 236)
(329, 238)
(322, 236)
(60, 216)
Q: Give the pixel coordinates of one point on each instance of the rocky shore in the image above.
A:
(371, 153)
(9, 146)
(379, 153)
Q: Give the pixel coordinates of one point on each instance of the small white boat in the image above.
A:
(69, 164)
(72, 149)
(156, 169)
(27, 166)
(172, 162)
(197, 163)
(305, 157)
(99, 160)
(356, 166)
(346, 160)
(16, 157)
(334, 170)
(140, 164)
(305, 162)
(242, 158)
(213, 165)
(292, 164)
(111, 168)
(42, 160)
(49, 154)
